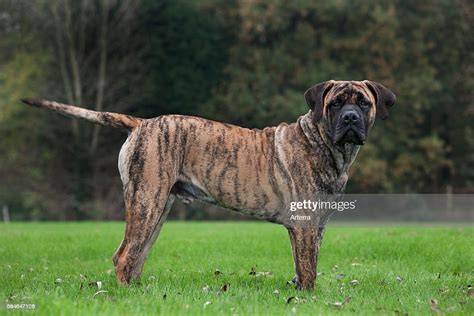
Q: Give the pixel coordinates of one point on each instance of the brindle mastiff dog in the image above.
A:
(255, 172)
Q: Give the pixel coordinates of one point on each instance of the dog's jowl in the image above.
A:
(255, 172)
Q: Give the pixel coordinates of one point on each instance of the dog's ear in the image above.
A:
(315, 98)
(384, 98)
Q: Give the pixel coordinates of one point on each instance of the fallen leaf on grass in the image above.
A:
(296, 300)
(470, 293)
(225, 287)
(399, 279)
(99, 292)
(276, 292)
(83, 279)
(288, 301)
(356, 264)
(355, 282)
(98, 284)
(443, 290)
(340, 276)
(207, 303)
(341, 304)
(292, 281)
(260, 274)
(435, 308)
(206, 289)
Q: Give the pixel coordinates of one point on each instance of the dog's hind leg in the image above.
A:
(148, 175)
(156, 232)
(144, 219)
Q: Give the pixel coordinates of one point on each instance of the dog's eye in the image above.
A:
(364, 103)
(336, 103)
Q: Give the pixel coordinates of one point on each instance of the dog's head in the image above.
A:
(347, 109)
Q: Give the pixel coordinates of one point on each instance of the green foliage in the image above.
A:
(243, 62)
(415, 49)
(22, 157)
(187, 50)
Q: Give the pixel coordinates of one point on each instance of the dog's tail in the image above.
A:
(121, 121)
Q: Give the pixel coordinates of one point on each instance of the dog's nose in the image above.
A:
(350, 116)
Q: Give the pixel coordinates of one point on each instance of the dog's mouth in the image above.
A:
(349, 135)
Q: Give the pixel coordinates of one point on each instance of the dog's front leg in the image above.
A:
(305, 246)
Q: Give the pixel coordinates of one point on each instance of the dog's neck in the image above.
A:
(343, 155)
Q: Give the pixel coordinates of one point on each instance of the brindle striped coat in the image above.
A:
(255, 172)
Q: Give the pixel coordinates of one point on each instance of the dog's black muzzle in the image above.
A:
(350, 126)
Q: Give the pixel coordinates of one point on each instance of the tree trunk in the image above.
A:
(101, 78)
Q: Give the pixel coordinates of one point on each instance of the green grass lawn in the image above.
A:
(398, 270)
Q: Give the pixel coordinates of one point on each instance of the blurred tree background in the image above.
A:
(245, 62)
